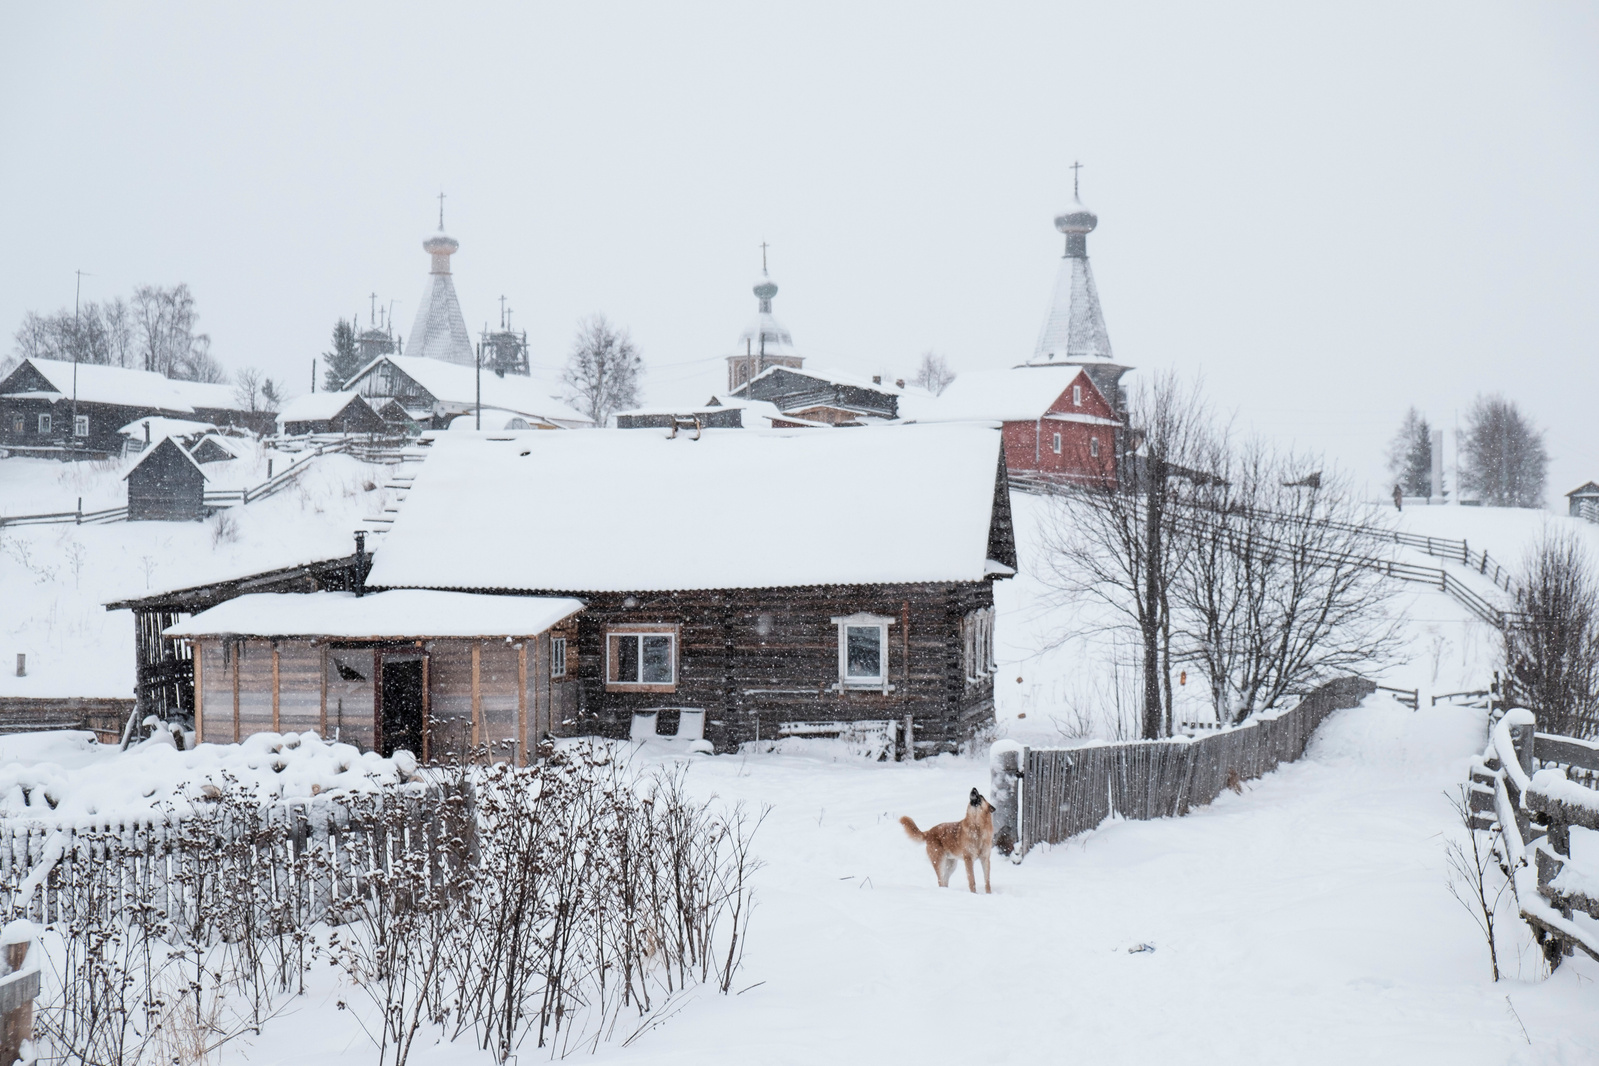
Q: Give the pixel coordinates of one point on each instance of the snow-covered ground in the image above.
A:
(55, 579)
(1306, 920)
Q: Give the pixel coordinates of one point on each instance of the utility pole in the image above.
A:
(1154, 513)
(77, 293)
(479, 370)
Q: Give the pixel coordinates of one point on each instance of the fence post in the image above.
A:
(19, 987)
(1007, 761)
(1521, 738)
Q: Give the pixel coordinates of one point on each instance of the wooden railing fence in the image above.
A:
(1048, 795)
(274, 867)
(1533, 788)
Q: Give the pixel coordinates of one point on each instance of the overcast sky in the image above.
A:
(1331, 215)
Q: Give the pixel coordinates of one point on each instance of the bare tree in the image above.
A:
(164, 321)
(96, 333)
(602, 373)
(933, 374)
(247, 388)
(1475, 877)
(1280, 587)
(1502, 458)
(1553, 655)
(1115, 537)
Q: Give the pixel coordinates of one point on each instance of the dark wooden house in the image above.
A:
(329, 412)
(166, 485)
(210, 449)
(777, 582)
(433, 392)
(48, 407)
(822, 396)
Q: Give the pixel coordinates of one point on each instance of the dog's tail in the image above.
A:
(911, 830)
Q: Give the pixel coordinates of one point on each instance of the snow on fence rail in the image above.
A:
(1523, 787)
(301, 861)
(1048, 795)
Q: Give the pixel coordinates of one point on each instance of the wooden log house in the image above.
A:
(329, 412)
(782, 582)
(166, 485)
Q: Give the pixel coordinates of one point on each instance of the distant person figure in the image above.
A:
(1399, 498)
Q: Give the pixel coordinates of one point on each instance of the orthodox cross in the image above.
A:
(502, 311)
(763, 257)
(441, 209)
(1075, 168)
(372, 314)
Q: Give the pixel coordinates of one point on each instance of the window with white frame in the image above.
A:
(557, 656)
(44, 423)
(1093, 447)
(1054, 444)
(641, 657)
(1077, 395)
(80, 426)
(863, 650)
(977, 631)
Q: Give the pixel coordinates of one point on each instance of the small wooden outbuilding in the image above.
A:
(438, 674)
(329, 412)
(1584, 502)
(166, 485)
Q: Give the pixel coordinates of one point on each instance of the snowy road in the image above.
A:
(1304, 921)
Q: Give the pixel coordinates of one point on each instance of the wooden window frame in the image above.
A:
(1093, 447)
(558, 656)
(44, 423)
(1054, 444)
(863, 620)
(643, 629)
(1077, 395)
(80, 426)
(19, 424)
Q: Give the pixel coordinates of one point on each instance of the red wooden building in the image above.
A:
(1057, 422)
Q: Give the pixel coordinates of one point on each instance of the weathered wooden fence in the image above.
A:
(232, 863)
(1533, 788)
(1047, 795)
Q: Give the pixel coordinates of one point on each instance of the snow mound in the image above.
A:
(1383, 733)
(154, 777)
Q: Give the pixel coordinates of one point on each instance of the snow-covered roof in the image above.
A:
(493, 419)
(632, 510)
(209, 394)
(317, 406)
(162, 427)
(457, 385)
(1020, 394)
(836, 377)
(150, 452)
(399, 614)
(115, 385)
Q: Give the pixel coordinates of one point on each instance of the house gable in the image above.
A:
(1093, 401)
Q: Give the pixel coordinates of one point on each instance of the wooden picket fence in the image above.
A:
(292, 863)
(1066, 791)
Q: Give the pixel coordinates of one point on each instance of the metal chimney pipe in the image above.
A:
(360, 562)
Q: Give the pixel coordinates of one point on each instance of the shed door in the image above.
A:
(402, 704)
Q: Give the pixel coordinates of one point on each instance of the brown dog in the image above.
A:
(970, 838)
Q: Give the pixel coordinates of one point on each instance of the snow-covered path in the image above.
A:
(1304, 921)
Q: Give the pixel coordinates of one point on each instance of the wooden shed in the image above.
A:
(166, 485)
(439, 674)
(329, 412)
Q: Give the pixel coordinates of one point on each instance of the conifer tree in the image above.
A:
(1410, 456)
(344, 360)
(1502, 458)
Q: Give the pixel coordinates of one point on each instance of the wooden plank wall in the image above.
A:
(350, 702)
(255, 687)
(216, 695)
(299, 687)
(449, 699)
(498, 681)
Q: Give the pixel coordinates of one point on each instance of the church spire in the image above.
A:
(1074, 327)
(439, 331)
